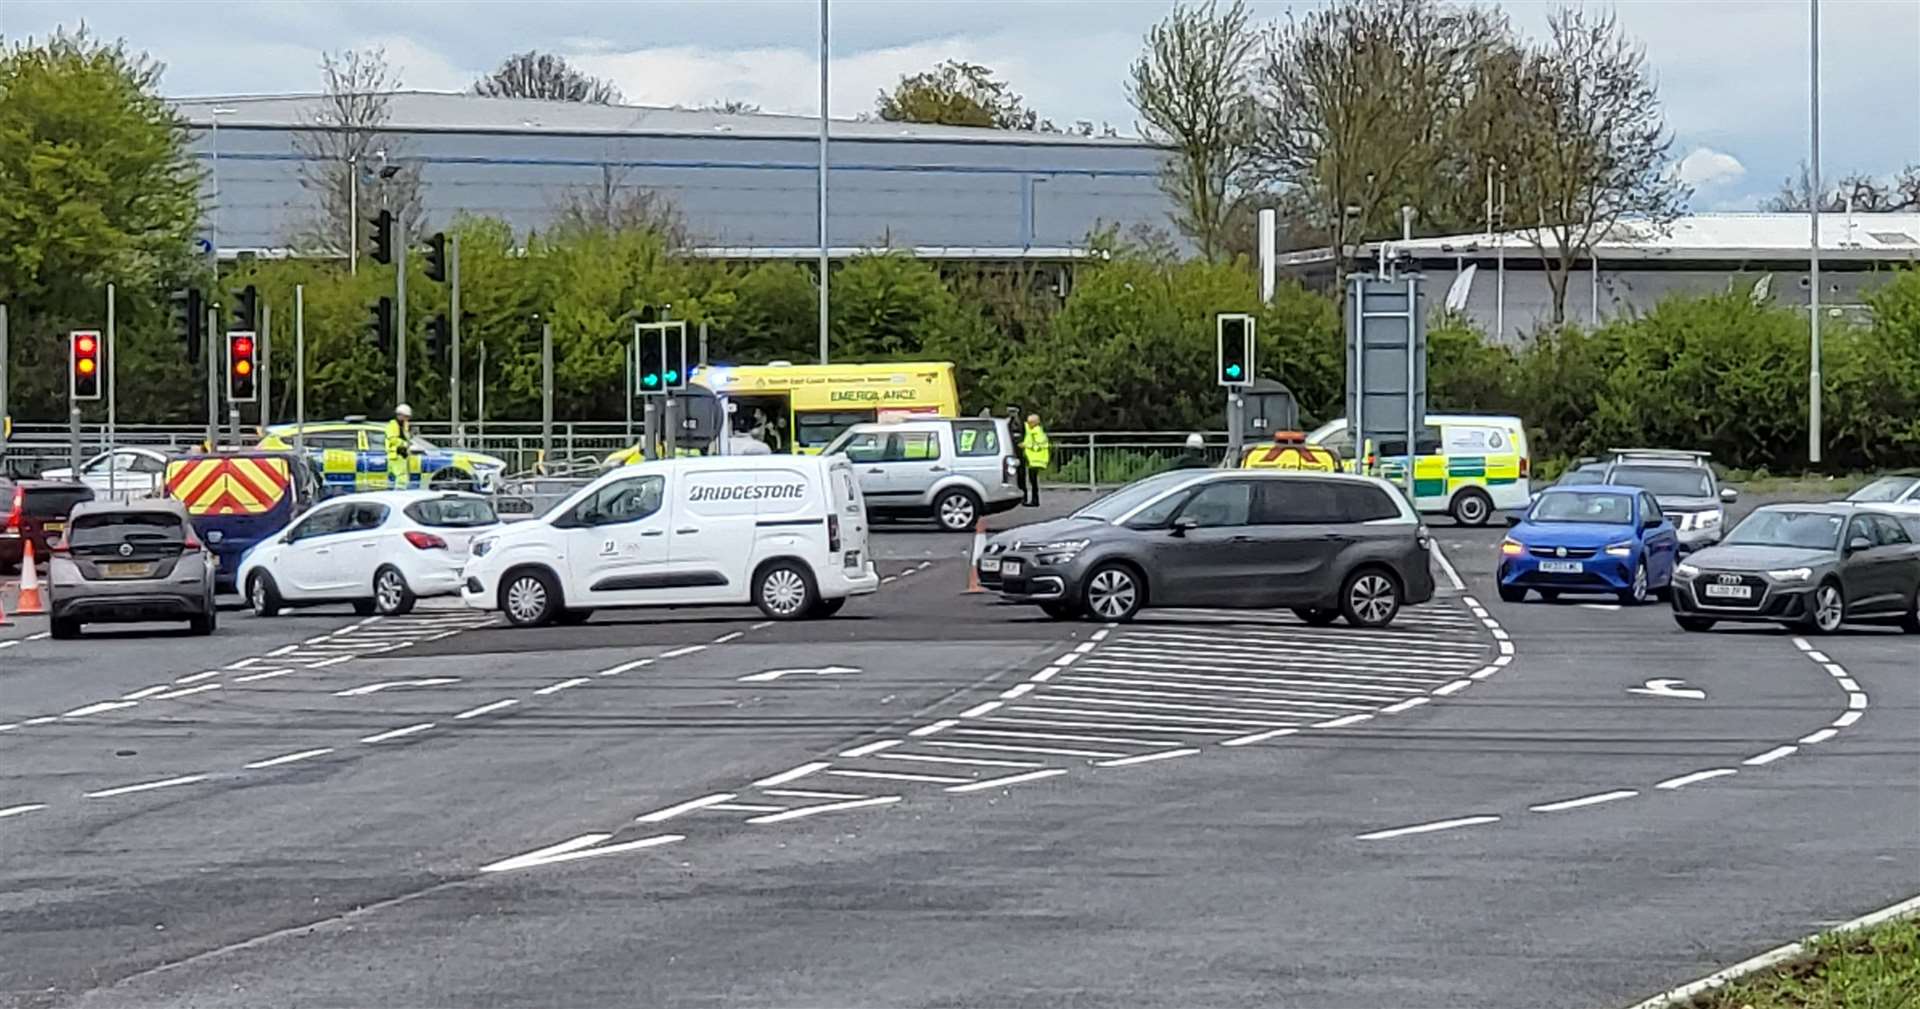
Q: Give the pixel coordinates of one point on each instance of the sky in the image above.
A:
(1733, 73)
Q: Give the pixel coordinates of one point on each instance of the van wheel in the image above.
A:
(957, 510)
(529, 598)
(1472, 507)
(828, 607)
(391, 596)
(784, 590)
(263, 595)
(1370, 597)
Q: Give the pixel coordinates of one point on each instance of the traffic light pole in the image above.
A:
(399, 311)
(453, 323)
(113, 366)
(546, 391)
(213, 376)
(5, 424)
(265, 354)
(300, 370)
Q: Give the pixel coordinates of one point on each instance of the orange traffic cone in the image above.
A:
(30, 602)
(979, 546)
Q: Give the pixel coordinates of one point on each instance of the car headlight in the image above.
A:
(1621, 549)
(1791, 574)
(1685, 570)
(1512, 547)
(481, 548)
(1062, 552)
(1709, 520)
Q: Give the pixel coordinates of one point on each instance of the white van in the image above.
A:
(1465, 465)
(787, 533)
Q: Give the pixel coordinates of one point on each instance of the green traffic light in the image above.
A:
(649, 380)
(673, 376)
(1233, 371)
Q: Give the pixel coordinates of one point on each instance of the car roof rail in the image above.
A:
(1659, 453)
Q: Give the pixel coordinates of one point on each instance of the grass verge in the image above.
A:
(1872, 968)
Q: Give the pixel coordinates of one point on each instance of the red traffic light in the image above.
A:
(242, 347)
(83, 344)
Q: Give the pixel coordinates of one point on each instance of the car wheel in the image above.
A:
(1513, 594)
(1471, 507)
(1060, 610)
(391, 596)
(63, 630)
(1829, 609)
(572, 618)
(529, 598)
(263, 595)
(363, 608)
(1113, 593)
(958, 510)
(784, 590)
(828, 607)
(1317, 616)
(1549, 595)
(1693, 623)
(1370, 598)
(1636, 590)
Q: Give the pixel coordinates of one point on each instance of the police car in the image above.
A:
(352, 456)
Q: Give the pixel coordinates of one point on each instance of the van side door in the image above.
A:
(714, 529)
(616, 542)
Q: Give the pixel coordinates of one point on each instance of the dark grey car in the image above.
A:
(1325, 545)
(1815, 566)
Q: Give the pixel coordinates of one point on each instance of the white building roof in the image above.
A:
(1713, 237)
(431, 111)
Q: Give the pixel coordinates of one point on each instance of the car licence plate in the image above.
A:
(54, 527)
(989, 565)
(1010, 568)
(126, 570)
(1730, 591)
(1561, 567)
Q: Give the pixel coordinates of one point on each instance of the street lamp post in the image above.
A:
(823, 181)
(1813, 237)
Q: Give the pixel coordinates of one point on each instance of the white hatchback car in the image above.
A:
(381, 552)
(786, 533)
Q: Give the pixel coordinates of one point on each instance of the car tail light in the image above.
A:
(833, 534)
(192, 542)
(19, 505)
(425, 541)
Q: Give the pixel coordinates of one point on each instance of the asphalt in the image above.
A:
(1211, 809)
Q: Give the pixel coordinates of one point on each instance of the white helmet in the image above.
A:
(1195, 442)
(403, 410)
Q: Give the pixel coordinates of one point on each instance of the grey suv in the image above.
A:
(1325, 545)
(129, 561)
(951, 470)
(1685, 487)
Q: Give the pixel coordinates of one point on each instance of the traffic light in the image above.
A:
(382, 236)
(437, 257)
(241, 367)
(190, 320)
(383, 325)
(1236, 349)
(651, 365)
(675, 357)
(439, 337)
(86, 365)
(246, 305)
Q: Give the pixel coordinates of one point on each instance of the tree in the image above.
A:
(613, 205)
(347, 159)
(1864, 193)
(534, 74)
(1592, 144)
(1191, 88)
(96, 187)
(956, 93)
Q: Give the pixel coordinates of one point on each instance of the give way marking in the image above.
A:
(374, 688)
(1669, 688)
(773, 674)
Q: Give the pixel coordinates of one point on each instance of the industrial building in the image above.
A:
(745, 185)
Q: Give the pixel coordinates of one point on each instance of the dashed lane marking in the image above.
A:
(1144, 758)
(1007, 781)
(487, 708)
(1426, 828)
(288, 758)
(145, 786)
(405, 730)
(660, 815)
(1583, 801)
(18, 810)
(1684, 780)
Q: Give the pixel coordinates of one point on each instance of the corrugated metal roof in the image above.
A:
(426, 111)
(1715, 236)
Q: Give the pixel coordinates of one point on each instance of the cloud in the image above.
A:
(1706, 167)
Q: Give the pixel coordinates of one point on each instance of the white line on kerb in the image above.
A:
(1011, 779)
(939, 726)
(795, 814)
(980, 709)
(1819, 737)
(554, 688)
(1585, 800)
(17, 810)
(876, 747)
(685, 807)
(1688, 779)
(485, 708)
(1144, 758)
(688, 650)
(1771, 755)
(798, 772)
(1423, 828)
(408, 730)
(1343, 720)
(145, 786)
(287, 758)
(1258, 737)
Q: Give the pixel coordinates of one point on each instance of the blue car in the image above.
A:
(1590, 538)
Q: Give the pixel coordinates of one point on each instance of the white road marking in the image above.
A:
(287, 758)
(283, 650)
(315, 641)
(1819, 737)
(579, 847)
(1506, 647)
(888, 580)
(1343, 720)
(1015, 691)
(1503, 660)
(4, 726)
(9, 644)
(1011, 779)
(770, 675)
(1406, 705)
(1846, 718)
(761, 626)
(554, 688)
(1453, 688)
(333, 661)
(40, 636)
(1083, 647)
(1483, 672)
(688, 650)
(808, 793)
(1498, 634)
(1607, 607)
(1801, 643)
(1332, 689)
(788, 775)
(42, 720)
(1230, 685)
(1202, 692)
(145, 786)
(1335, 671)
(1585, 800)
(407, 730)
(1857, 702)
(265, 674)
(1101, 634)
(928, 758)
(1669, 688)
(1847, 684)
(1446, 566)
(1143, 758)
(831, 807)
(1019, 731)
(197, 677)
(1818, 656)
(939, 726)
(103, 706)
(1424, 828)
(867, 748)
(1258, 737)
(374, 688)
(744, 807)
(932, 779)
(1771, 755)
(17, 810)
(624, 667)
(1046, 674)
(1146, 718)
(980, 709)
(185, 691)
(1078, 697)
(688, 806)
(1687, 779)
(724, 638)
(1048, 751)
(1067, 659)
(923, 565)
(486, 708)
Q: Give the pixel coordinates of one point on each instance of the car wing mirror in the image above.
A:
(1184, 523)
(1859, 543)
(1729, 495)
